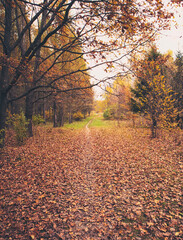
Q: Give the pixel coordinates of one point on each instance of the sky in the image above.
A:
(173, 39)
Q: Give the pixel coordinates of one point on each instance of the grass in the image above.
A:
(96, 121)
(100, 122)
(77, 124)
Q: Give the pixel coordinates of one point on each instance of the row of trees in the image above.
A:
(40, 64)
(45, 45)
(156, 91)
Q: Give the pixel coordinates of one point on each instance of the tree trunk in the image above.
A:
(29, 112)
(133, 121)
(61, 116)
(70, 116)
(154, 128)
(44, 108)
(55, 124)
(50, 114)
(3, 107)
(4, 75)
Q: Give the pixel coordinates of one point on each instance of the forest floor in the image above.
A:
(92, 183)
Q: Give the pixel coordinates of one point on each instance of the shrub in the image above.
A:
(37, 119)
(10, 119)
(2, 135)
(108, 114)
(20, 126)
(78, 116)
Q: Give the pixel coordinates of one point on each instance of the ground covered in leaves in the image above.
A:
(92, 183)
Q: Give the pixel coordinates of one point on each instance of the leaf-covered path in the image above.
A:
(92, 184)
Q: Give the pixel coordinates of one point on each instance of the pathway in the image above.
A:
(92, 184)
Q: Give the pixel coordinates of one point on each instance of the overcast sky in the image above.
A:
(173, 39)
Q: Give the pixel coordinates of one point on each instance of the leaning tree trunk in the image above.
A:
(29, 113)
(3, 107)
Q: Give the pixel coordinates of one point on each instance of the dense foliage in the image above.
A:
(152, 95)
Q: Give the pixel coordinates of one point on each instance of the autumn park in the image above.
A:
(91, 121)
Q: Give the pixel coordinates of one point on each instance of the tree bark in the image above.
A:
(29, 113)
(154, 128)
(70, 116)
(44, 109)
(4, 70)
(55, 123)
(133, 120)
(3, 107)
(61, 116)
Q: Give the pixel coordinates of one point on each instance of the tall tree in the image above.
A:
(177, 85)
(117, 97)
(151, 95)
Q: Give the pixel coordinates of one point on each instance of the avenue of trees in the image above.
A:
(46, 44)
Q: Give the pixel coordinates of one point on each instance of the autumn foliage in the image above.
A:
(152, 94)
(112, 182)
(46, 45)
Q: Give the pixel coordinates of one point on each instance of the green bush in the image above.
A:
(20, 126)
(37, 119)
(108, 113)
(78, 116)
(10, 119)
(2, 135)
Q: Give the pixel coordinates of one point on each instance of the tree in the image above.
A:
(128, 22)
(99, 106)
(117, 97)
(151, 95)
(177, 85)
